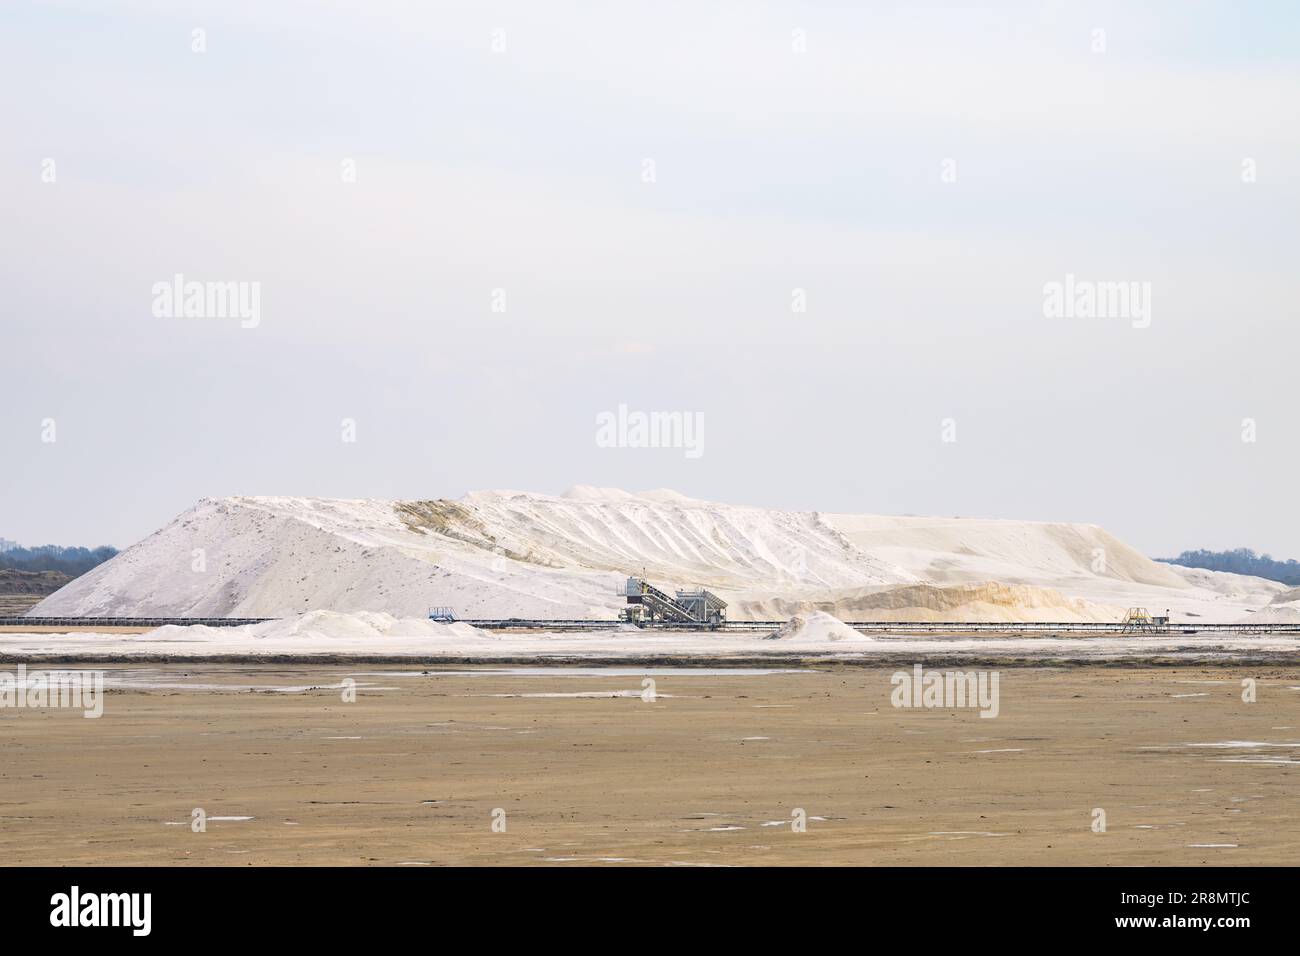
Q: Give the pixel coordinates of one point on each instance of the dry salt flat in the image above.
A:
(290, 774)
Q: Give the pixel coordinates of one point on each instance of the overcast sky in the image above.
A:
(652, 190)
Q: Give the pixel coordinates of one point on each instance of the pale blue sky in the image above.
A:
(775, 170)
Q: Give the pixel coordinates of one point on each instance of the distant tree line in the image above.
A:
(1240, 561)
(53, 557)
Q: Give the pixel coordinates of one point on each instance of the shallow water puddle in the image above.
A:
(147, 680)
(786, 823)
(542, 671)
(185, 823)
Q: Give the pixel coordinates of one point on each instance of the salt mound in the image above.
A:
(1288, 613)
(504, 554)
(816, 627)
(329, 626)
(360, 625)
(594, 493)
(988, 601)
(1287, 597)
(1238, 587)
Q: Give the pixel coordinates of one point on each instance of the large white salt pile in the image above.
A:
(504, 554)
(816, 627)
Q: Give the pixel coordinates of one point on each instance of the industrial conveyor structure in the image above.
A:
(1139, 621)
(645, 602)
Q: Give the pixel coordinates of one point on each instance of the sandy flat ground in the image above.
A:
(710, 773)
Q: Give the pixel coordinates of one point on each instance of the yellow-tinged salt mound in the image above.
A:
(816, 627)
(921, 603)
(972, 550)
